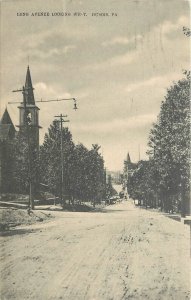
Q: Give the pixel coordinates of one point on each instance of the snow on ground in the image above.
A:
(122, 253)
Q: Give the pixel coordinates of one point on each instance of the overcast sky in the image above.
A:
(118, 67)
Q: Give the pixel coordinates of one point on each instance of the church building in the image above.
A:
(128, 169)
(28, 131)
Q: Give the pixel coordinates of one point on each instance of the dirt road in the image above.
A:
(124, 253)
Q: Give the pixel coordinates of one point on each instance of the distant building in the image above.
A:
(116, 176)
(128, 169)
(8, 132)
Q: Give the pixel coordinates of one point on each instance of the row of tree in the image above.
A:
(83, 170)
(84, 174)
(164, 180)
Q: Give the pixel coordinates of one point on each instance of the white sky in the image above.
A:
(117, 67)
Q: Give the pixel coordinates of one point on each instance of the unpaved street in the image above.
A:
(122, 253)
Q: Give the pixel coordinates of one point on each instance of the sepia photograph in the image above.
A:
(95, 150)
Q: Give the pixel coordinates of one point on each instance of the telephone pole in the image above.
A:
(61, 121)
(139, 152)
(31, 200)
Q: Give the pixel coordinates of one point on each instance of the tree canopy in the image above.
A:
(165, 177)
(84, 175)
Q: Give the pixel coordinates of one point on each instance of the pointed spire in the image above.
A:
(29, 88)
(6, 119)
(128, 158)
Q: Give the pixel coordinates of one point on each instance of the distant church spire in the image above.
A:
(128, 158)
(29, 88)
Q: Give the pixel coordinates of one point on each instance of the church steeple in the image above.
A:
(128, 158)
(29, 115)
(29, 88)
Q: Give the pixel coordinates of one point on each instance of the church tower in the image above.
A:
(30, 120)
(127, 171)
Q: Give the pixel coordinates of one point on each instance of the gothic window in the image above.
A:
(29, 118)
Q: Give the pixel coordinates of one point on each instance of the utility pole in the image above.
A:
(31, 200)
(139, 153)
(61, 121)
(105, 185)
(182, 192)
